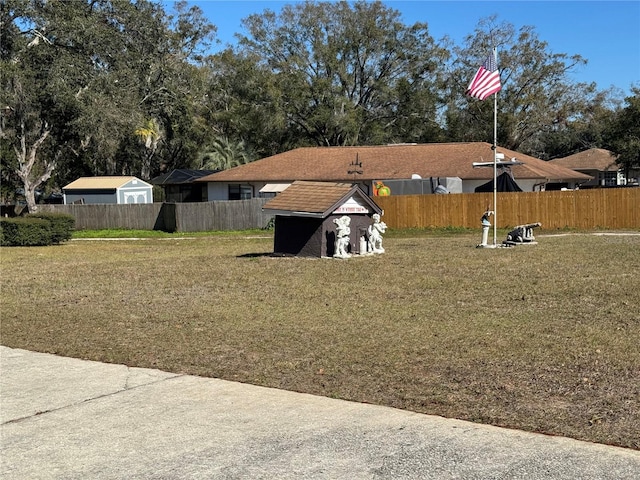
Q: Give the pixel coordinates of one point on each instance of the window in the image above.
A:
(608, 179)
(240, 192)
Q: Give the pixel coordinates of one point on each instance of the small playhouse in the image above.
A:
(308, 217)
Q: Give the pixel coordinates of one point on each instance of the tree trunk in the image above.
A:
(27, 157)
(30, 196)
(145, 171)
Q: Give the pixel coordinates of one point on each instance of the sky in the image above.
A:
(605, 33)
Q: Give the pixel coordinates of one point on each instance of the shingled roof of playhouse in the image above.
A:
(316, 199)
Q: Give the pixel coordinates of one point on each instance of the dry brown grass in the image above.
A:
(541, 338)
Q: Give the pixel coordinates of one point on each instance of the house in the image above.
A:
(305, 214)
(366, 166)
(179, 185)
(101, 190)
(598, 163)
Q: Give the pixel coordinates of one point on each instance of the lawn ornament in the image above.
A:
(486, 223)
(522, 234)
(376, 229)
(343, 232)
(365, 241)
(381, 190)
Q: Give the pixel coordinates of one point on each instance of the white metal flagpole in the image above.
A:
(486, 83)
(495, 158)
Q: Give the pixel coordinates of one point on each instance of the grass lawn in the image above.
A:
(542, 338)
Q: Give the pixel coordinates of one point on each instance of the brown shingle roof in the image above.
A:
(592, 159)
(390, 162)
(315, 198)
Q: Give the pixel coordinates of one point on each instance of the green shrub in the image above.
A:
(62, 225)
(25, 232)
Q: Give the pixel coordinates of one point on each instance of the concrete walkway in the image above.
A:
(65, 418)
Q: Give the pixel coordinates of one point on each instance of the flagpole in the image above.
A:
(495, 159)
(485, 83)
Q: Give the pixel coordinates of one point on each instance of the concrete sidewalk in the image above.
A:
(65, 418)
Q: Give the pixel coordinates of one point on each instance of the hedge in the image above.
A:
(25, 232)
(62, 225)
(38, 229)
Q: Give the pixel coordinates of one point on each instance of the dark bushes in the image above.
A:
(62, 225)
(25, 232)
(36, 230)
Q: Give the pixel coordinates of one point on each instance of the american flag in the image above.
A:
(487, 80)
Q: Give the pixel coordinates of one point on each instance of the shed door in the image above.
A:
(135, 197)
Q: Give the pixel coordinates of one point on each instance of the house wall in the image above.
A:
(120, 197)
(135, 195)
(300, 236)
(135, 191)
(469, 186)
(90, 197)
(359, 225)
(314, 237)
(220, 190)
(423, 186)
(217, 191)
(190, 192)
(594, 182)
(610, 178)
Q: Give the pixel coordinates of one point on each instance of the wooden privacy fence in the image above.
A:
(111, 216)
(221, 215)
(614, 208)
(170, 217)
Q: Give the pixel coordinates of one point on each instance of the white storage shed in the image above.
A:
(101, 190)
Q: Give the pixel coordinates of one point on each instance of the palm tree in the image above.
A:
(224, 154)
(150, 134)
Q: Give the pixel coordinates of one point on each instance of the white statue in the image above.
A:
(485, 221)
(343, 231)
(376, 229)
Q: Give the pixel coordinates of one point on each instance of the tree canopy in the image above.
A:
(348, 73)
(82, 79)
(103, 87)
(624, 134)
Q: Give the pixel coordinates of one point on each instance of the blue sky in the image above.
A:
(606, 33)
